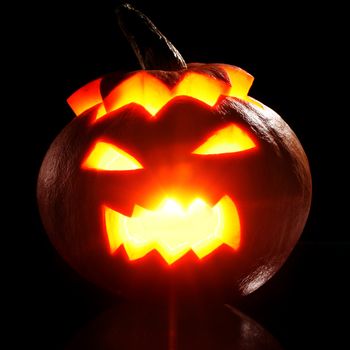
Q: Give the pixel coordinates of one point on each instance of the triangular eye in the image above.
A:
(230, 139)
(105, 156)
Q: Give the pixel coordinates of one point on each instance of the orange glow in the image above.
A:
(240, 81)
(230, 139)
(173, 230)
(86, 97)
(105, 156)
(201, 87)
(151, 93)
(141, 88)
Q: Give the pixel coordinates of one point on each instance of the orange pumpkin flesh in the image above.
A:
(147, 89)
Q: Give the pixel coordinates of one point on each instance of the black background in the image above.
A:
(297, 56)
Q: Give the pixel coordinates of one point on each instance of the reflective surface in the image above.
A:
(173, 327)
(304, 306)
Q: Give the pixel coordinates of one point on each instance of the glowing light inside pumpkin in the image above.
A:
(151, 93)
(105, 156)
(230, 139)
(86, 97)
(240, 80)
(173, 230)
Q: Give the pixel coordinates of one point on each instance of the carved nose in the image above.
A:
(184, 181)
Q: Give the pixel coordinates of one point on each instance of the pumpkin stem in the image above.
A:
(152, 48)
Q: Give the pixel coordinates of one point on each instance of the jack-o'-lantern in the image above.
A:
(174, 173)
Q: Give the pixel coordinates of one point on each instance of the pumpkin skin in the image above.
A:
(269, 184)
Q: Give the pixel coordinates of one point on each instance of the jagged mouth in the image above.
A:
(173, 230)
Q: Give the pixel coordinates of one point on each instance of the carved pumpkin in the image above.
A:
(174, 174)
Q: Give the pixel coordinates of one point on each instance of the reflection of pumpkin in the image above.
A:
(194, 325)
(176, 168)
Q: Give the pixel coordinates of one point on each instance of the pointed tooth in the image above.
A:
(112, 223)
(206, 247)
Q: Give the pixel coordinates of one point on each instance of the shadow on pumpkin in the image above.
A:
(181, 326)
